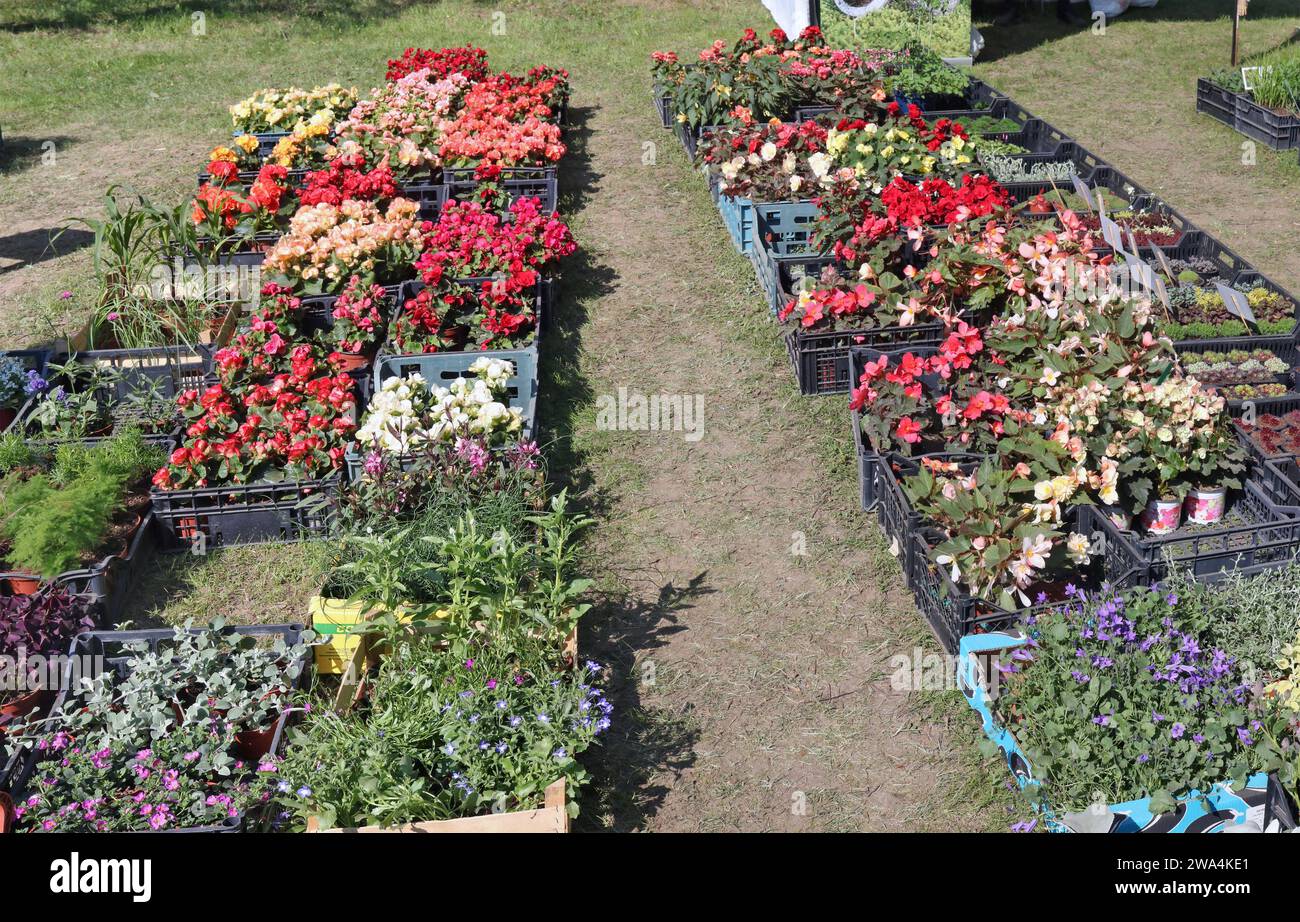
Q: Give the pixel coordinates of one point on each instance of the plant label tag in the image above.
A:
(1167, 269)
(1161, 291)
(1236, 304)
(1132, 241)
(1248, 74)
(1137, 271)
(1083, 192)
(1111, 234)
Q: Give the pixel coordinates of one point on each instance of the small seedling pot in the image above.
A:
(1206, 506)
(1162, 516)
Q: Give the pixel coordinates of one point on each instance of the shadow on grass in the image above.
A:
(20, 154)
(640, 743)
(31, 15)
(27, 248)
(1041, 27)
(565, 392)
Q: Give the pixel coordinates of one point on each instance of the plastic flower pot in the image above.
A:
(1162, 516)
(340, 625)
(25, 584)
(6, 813)
(1206, 506)
(351, 361)
(22, 706)
(1118, 516)
(7, 416)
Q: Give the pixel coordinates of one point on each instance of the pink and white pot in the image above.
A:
(1161, 516)
(1206, 506)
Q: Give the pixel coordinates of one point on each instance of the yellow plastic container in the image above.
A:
(341, 625)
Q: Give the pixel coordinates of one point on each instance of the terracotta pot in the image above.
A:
(187, 528)
(7, 416)
(1206, 506)
(351, 361)
(1162, 516)
(25, 584)
(22, 706)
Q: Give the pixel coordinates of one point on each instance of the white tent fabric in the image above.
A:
(791, 15)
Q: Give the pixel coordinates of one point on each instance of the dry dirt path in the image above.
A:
(754, 680)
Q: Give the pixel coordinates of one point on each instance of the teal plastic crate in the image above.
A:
(442, 368)
(738, 215)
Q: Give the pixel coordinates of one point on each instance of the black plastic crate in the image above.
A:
(1216, 102)
(204, 518)
(251, 252)
(110, 582)
(318, 310)
(949, 610)
(664, 106)
(31, 359)
(1284, 347)
(1035, 136)
(1198, 244)
(1264, 537)
(461, 185)
(821, 360)
(430, 194)
(1279, 132)
(1105, 177)
(108, 645)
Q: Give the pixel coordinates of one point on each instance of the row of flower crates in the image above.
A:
(1238, 111)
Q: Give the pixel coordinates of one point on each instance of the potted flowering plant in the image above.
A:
(359, 317)
(13, 389)
(327, 245)
(995, 540)
(468, 60)
(452, 316)
(225, 217)
(42, 624)
(902, 144)
(158, 741)
(763, 161)
(400, 125)
(409, 413)
(280, 110)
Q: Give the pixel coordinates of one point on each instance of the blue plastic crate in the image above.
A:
(1218, 808)
(738, 214)
(442, 368)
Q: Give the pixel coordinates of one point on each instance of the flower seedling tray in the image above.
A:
(518, 181)
(202, 519)
(441, 368)
(821, 360)
(949, 610)
(1284, 347)
(1197, 244)
(1216, 102)
(108, 646)
(1276, 130)
(1255, 535)
(1221, 806)
(1274, 406)
(1105, 177)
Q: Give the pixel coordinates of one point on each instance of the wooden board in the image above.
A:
(553, 817)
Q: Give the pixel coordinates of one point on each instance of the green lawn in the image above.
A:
(1130, 97)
